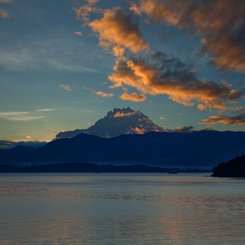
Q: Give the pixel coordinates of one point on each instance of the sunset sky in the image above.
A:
(64, 64)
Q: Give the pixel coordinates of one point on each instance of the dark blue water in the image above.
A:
(121, 209)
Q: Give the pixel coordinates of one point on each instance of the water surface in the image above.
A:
(121, 209)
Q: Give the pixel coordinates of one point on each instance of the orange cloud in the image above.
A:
(103, 94)
(124, 114)
(201, 107)
(116, 29)
(138, 130)
(157, 10)
(5, 1)
(162, 74)
(168, 76)
(185, 129)
(83, 12)
(77, 33)
(220, 24)
(133, 97)
(92, 1)
(4, 14)
(226, 120)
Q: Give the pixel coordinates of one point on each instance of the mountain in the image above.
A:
(115, 123)
(16, 155)
(166, 149)
(32, 144)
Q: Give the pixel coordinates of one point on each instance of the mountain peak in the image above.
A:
(117, 122)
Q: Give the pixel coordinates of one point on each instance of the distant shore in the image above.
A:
(95, 168)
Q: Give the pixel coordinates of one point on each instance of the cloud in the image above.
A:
(64, 66)
(157, 74)
(83, 12)
(5, 1)
(201, 107)
(226, 120)
(124, 114)
(167, 75)
(103, 94)
(115, 30)
(220, 24)
(133, 97)
(45, 110)
(16, 59)
(138, 130)
(23, 116)
(77, 33)
(4, 14)
(92, 2)
(65, 87)
(185, 129)
(44, 54)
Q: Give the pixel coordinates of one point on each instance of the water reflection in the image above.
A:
(121, 209)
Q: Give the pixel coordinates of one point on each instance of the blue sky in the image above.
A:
(51, 68)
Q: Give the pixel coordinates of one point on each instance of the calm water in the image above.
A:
(115, 209)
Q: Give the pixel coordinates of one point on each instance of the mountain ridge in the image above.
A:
(199, 149)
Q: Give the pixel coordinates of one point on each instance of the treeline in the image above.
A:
(92, 168)
(233, 168)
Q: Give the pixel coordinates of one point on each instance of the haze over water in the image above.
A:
(108, 209)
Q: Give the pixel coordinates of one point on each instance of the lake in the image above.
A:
(121, 209)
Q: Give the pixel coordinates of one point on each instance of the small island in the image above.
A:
(233, 168)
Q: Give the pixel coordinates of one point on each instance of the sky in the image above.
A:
(65, 63)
